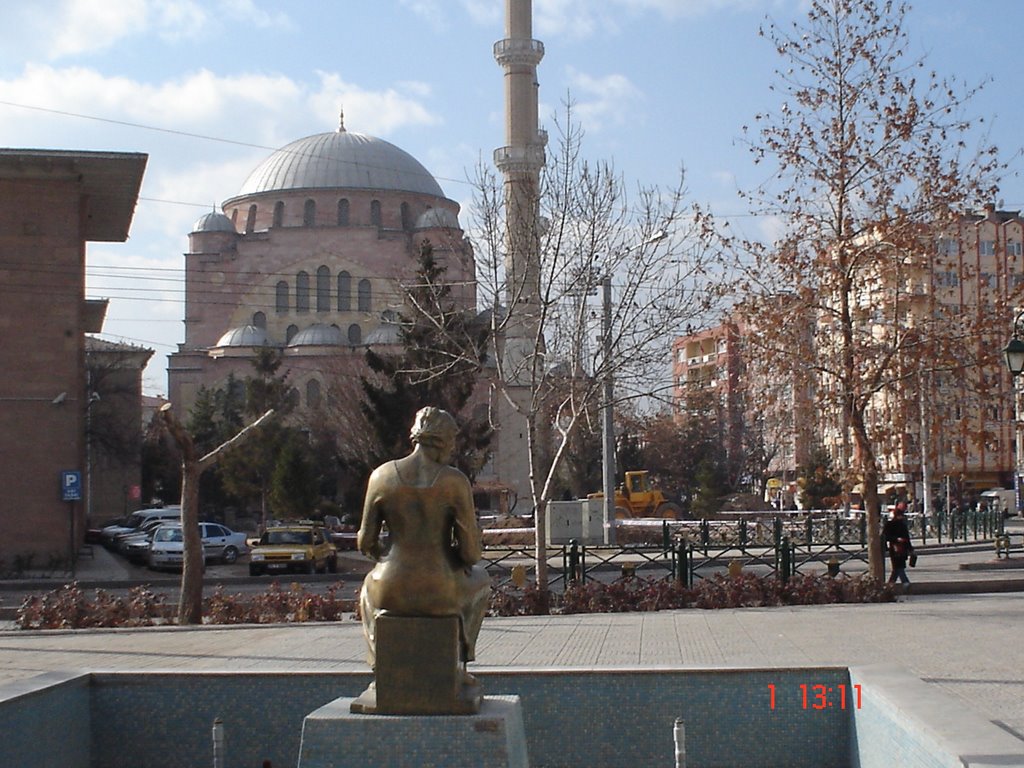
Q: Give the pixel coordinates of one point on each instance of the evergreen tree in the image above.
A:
(444, 350)
(819, 486)
(294, 490)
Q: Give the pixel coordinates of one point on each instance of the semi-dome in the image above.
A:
(437, 217)
(318, 335)
(244, 336)
(385, 334)
(340, 160)
(213, 222)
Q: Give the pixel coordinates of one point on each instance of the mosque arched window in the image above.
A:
(302, 292)
(343, 212)
(282, 297)
(250, 219)
(309, 214)
(406, 217)
(364, 296)
(290, 333)
(323, 289)
(344, 292)
(234, 217)
(375, 218)
(312, 393)
(355, 334)
(259, 320)
(279, 213)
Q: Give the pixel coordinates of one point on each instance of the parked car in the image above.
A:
(341, 531)
(299, 548)
(167, 549)
(135, 520)
(144, 533)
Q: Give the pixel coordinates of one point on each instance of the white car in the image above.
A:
(166, 550)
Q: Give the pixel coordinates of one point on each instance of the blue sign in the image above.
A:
(71, 485)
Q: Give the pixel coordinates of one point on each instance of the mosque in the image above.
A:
(308, 257)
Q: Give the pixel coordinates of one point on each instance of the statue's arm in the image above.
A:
(467, 532)
(368, 538)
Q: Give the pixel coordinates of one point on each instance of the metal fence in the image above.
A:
(691, 550)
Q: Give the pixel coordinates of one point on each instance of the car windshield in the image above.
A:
(287, 537)
(167, 534)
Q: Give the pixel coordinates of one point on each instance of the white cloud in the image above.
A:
(79, 26)
(374, 112)
(581, 19)
(602, 100)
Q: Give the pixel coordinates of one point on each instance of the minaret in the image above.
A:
(520, 162)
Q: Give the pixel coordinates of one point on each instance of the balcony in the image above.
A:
(513, 51)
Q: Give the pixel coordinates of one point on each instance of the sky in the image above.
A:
(209, 88)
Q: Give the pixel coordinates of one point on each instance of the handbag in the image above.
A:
(913, 560)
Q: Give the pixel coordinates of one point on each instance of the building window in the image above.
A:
(948, 246)
(282, 297)
(259, 320)
(290, 333)
(406, 217)
(364, 296)
(323, 289)
(312, 393)
(375, 218)
(250, 219)
(987, 247)
(343, 213)
(1013, 248)
(302, 292)
(344, 292)
(309, 214)
(947, 279)
(355, 334)
(986, 280)
(279, 214)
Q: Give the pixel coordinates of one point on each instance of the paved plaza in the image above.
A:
(960, 630)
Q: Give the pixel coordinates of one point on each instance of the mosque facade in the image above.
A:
(308, 259)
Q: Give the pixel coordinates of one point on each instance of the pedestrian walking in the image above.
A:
(896, 535)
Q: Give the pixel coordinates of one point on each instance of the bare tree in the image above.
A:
(591, 232)
(190, 604)
(870, 163)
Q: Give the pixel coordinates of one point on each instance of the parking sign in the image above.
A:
(71, 485)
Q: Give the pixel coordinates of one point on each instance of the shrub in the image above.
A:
(746, 590)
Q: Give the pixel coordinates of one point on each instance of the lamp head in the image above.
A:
(1014, 353)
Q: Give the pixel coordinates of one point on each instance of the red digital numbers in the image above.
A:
(820, 696)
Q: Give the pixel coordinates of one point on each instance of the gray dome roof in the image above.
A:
(340, 160)
(318, 335)
(213, 222)
(385, 334)
(244, 336)
(437, 217)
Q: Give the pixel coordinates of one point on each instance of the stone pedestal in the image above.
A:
(335, 737)
(418, 669)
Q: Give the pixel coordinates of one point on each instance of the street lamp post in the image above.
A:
(1014, 354)
(608, 393)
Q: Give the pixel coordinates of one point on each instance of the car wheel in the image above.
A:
(255, 570)
(229, 555)
(332, 564)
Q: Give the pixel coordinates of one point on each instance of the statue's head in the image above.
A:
(434, 427)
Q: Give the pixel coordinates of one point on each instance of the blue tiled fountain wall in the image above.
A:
(572, 718)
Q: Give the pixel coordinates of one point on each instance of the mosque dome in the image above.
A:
(244, 336)
(340, 160)
(385, 334)
(437, 218)
(213, 222)
(318, 335)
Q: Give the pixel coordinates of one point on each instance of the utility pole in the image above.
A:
(607, 420)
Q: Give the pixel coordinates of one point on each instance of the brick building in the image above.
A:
(54, 202)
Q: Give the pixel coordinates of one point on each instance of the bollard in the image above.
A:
(665, 539)
(679, 735)
(833, 566)
(218, 743)
(785, 561)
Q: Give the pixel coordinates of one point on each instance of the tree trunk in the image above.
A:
(869, 491)
(190, 603)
